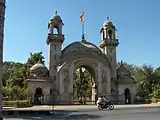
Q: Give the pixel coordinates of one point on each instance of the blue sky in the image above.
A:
(137, 21)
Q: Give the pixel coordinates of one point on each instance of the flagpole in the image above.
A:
(83, 30)
(82, 22)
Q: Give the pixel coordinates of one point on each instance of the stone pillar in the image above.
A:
(52, 61)
(93, 92)
(108, 85)
(132, 98)
(2, 14)
(99, 81)
(51, 29)
(71, 74)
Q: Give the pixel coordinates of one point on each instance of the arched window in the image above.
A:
(39, 91)
(55, 30)
(110, 33)
(103, 33)
(38, 96)
(127, 91)
(127, 96)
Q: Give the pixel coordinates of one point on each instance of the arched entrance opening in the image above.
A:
(84, 85)
(127, 96)
(38, 96)
(55, 30)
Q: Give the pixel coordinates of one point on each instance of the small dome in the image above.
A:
(108, 22)
(124, 75)
(38, 66)
(38, 71)
(56, 17)
(122, 70)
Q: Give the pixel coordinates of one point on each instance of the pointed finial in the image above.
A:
(121, 62)
(107, 18)
(55, 12)
(30, 54)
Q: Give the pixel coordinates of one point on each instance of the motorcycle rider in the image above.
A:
(106, 100)
(100, 100)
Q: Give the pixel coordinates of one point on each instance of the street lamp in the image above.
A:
(2, 14)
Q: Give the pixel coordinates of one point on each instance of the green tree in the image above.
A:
(148, 80)
(15, 75)
(7, 69)
(82, 85)
(33, 59)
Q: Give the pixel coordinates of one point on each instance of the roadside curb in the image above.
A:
(137, 107)
(66, 111)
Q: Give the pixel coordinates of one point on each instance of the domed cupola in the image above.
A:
(108, 23)
(38, 70)
(122, 70)
(56, 18)
(55, 29)
(124, 74)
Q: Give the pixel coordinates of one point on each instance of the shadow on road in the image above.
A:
(44, 115)
(81, 117)
(69, 117)
(34, 114)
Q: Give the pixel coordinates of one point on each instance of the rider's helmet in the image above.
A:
(101, 96)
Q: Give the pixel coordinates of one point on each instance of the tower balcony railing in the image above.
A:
(55, 37)
(109, 42)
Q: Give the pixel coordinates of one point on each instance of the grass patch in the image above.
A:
(19, 103)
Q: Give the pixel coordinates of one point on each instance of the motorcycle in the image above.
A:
(106, 105)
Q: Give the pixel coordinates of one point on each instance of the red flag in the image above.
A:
(82, 17)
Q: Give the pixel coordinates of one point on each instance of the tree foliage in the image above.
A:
(148, 80)
(82, 85)
(15, 75)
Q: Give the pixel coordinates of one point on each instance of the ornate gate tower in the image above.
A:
(54, 40)
(108, 47)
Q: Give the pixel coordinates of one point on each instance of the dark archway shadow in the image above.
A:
(127, 96)
(89, 99)
(38, 96)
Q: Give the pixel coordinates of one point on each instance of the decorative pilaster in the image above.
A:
(93, 92)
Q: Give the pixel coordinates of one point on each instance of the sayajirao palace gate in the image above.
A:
(55, 84)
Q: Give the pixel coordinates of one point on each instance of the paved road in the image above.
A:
(94, 114)
(79, 107)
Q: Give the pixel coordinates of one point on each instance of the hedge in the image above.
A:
(20, 103)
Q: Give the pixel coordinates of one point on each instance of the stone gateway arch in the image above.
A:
(57, 81)
(88, 55)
